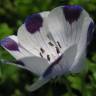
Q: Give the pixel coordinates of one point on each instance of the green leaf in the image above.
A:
(5, 30)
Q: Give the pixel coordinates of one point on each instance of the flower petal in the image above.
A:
(78, 64)
(36, 40)
(82, 43)
(68, 24)
(11, 45)
(35, 64)
(55, 22)
(63, 64)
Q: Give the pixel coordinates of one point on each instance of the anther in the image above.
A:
(50, 43)
(58, 44)
(42, 50)
(41, 54)
(57, 50)
(48, 57)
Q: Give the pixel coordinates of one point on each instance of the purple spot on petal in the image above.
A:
(72, 13)
(90, 32)
(33, 23)
(49, 70)
(10, 44)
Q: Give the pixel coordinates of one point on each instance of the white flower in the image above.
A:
(51, 44)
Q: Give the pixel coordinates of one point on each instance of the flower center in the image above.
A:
(51, 56)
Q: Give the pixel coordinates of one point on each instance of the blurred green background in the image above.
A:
(13, 81)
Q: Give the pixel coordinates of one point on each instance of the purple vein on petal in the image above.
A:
(33, 23)
(72, 13)
(10, 44)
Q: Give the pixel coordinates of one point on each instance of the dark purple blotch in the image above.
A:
(10, 44)
(33, 23)
(90, 32)
(72, 12)
(49, 70)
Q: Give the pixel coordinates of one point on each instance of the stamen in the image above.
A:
(58, 44)
(42, 50)
(57, 49)
(41, 54)
(48, 57)
(50, 43)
